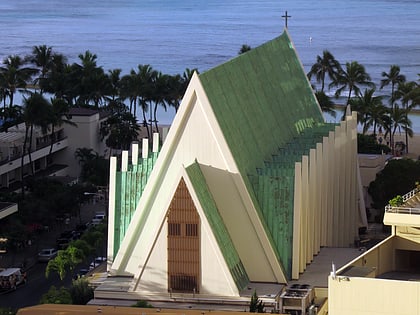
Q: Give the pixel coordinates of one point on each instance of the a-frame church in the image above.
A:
(249, 184)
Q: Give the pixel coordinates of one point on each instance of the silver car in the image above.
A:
(47, 254)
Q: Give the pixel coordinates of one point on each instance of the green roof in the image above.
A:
(262, 100)
(269, 116)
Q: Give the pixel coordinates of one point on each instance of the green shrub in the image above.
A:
(397, 201)
(56, 296)
(367, 144)
(80, 291)
(7, 311)
(143, 304)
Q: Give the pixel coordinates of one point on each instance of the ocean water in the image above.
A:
(174, 35)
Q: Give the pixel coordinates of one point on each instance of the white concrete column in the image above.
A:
(319, 216)
(331, 186)
(134, 153)
(305, 211)
(155, 142)
(145, 148)
(297, 222)
(111, 210)
(324, 190)
(347, 184)
(312, 229)
(336, 191)
(124, 161)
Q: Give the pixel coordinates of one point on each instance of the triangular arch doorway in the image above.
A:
(183, 242)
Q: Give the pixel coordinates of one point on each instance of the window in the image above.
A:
(191, 229)
(174, 229)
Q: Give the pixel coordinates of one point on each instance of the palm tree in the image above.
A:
(56, 80)
(14, 75)
(59, 116)
(175, 90)
(114, 88)
(11, 116)
(414, 95)
(95, 169)
(146, 77)
(325, 65)
(36, 112)
(394, 78)
(350, 78)
(120, 130)
(127, 90)
(398, 119)
(327, 106)
(403, 93)
(91, 81)
(370, 110)
(84, 155)
(160, 97)
(42, 57)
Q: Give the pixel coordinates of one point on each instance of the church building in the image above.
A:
(247, 187)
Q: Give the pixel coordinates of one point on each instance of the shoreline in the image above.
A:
(342, 106)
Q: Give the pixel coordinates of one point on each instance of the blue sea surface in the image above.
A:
(174, 35)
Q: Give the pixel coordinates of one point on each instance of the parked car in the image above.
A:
(11, 278)
(96, 262)
(99, 215)
(47, 254)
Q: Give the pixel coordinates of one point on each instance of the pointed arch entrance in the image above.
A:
(183, 242)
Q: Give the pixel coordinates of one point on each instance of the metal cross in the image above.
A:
(286, 16)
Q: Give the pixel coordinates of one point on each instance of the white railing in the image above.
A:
(402, 209)
(410, 194)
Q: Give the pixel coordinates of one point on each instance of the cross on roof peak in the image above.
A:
(286, 16)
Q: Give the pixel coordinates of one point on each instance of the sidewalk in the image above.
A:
(26, 257)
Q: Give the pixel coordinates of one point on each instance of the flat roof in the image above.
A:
(9, 271)
(317, 272)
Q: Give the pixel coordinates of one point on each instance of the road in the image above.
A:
(30, 293)
(37, 284)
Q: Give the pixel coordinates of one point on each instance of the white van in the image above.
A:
(11, 278)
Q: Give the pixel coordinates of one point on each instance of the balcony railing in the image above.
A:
(18, 153)
(402, 210)
(410, 194)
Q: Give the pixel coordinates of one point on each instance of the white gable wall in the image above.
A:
(194, 135)
(216, 278)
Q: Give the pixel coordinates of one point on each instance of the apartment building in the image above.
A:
(386, 278)
(51, 155)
